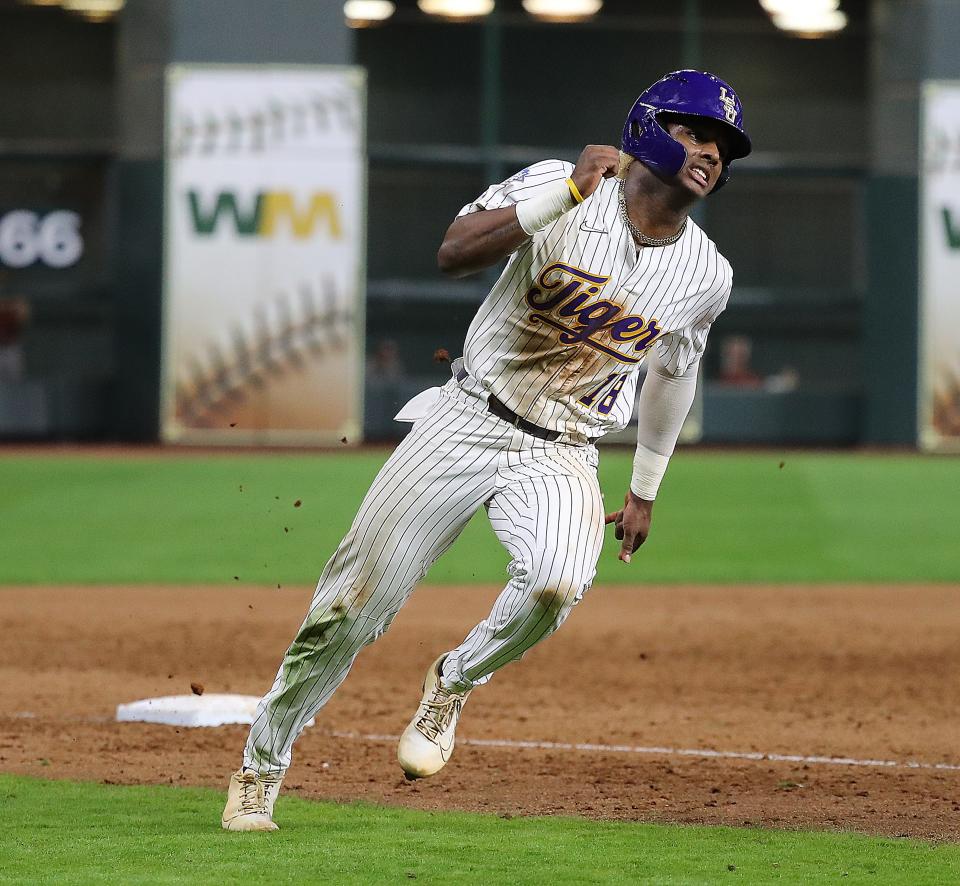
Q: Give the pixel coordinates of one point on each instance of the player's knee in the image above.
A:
(319, 630)
(554, 597)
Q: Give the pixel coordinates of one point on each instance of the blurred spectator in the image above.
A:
(385, 360)
(782, 382)
(735, 369)
(14, 314)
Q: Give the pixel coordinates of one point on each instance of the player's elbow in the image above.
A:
(446, 258)
(450, 259)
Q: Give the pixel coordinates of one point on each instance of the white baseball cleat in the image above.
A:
(427, 743)
(250, 800)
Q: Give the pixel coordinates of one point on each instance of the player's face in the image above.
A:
(706, 144)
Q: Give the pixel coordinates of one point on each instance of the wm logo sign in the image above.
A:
(266, 214)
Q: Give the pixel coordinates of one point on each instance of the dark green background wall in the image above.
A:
(820, 223)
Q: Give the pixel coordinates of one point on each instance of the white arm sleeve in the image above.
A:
(526, 184)
(665, 400)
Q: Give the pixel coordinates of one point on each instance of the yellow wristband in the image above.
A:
(574, 190)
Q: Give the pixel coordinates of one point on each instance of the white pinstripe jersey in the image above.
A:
(561, 335)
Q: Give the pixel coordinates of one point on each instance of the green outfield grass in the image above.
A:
(62, 832)
(720, 518)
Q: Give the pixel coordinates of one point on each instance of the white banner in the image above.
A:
(939, 417)
(264, 254)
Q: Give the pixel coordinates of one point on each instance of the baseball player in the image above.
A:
(605, 270)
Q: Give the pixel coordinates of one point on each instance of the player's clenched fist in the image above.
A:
(594, 163)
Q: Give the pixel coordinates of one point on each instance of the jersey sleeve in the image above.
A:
(523, 185)
(680, 348)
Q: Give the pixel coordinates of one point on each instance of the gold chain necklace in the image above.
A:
(638, 235)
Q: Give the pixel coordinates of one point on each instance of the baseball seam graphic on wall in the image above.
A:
(939, 396)
(264, 254)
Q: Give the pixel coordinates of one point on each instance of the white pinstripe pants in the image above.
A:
(544, 503)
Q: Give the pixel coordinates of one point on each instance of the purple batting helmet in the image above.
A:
(683, 92)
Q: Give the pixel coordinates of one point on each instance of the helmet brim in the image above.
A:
(739, 142)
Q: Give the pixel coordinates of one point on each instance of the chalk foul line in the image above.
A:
(703, 753)
(588, 747)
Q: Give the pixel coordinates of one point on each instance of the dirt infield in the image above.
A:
(861, 672)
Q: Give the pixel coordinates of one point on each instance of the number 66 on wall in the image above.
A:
(26, 237)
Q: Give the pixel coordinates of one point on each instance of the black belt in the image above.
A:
(528, 427)
(501, 410)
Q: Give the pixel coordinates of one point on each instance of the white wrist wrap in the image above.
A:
(648, 470)
(538, 212)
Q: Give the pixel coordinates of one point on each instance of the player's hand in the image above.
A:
(632, 524)
(595, 162)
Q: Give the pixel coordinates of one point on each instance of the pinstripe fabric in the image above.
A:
(548, 514)
(545, 505)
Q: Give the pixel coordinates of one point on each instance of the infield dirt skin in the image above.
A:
(863, 672)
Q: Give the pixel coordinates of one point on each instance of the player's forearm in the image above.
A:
(479, 240)
(665, 400)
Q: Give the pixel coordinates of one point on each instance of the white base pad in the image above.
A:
(191, 710)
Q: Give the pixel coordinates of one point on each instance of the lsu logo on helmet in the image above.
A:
(729, 103)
